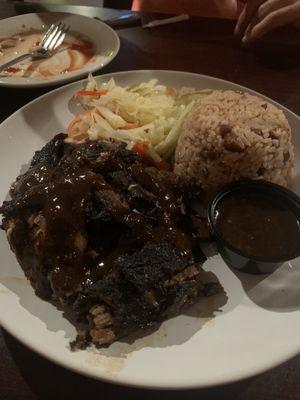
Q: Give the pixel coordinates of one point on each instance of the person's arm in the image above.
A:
(261, 16)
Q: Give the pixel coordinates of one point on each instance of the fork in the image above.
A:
(52, 39)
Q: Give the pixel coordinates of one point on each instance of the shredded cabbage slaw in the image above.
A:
(146, 116)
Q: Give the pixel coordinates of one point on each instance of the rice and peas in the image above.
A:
(211, 137)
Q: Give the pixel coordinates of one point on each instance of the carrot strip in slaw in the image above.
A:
(97, 93)
(170, 90)
(142, 149)
(77, 120)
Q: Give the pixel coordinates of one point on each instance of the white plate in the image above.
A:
(105, 40)
(255, 330)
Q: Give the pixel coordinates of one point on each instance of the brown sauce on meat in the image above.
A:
(167, 230)
(106, 237)
(60, 197)
(259, 226)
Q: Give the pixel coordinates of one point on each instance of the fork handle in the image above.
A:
(15, 61)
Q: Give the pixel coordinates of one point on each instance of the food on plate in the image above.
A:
(146, 116)
(103, 233)
(259, 225)
(100, 233)
(217, 136)
(74, 53)
(231, 136)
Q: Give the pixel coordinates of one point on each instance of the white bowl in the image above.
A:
(105, 40)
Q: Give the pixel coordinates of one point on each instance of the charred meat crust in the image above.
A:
(98, 232)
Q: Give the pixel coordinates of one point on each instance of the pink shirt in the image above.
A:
(205, 8)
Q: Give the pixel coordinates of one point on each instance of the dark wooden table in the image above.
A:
(205, 46)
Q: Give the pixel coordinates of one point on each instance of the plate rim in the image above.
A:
(104, 376)
(64, 79)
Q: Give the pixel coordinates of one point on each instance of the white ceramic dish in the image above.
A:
(254, 329)
(104, 38)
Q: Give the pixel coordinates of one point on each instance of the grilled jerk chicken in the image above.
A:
(101, 234)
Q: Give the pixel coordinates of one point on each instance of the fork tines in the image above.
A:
(54, 36)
